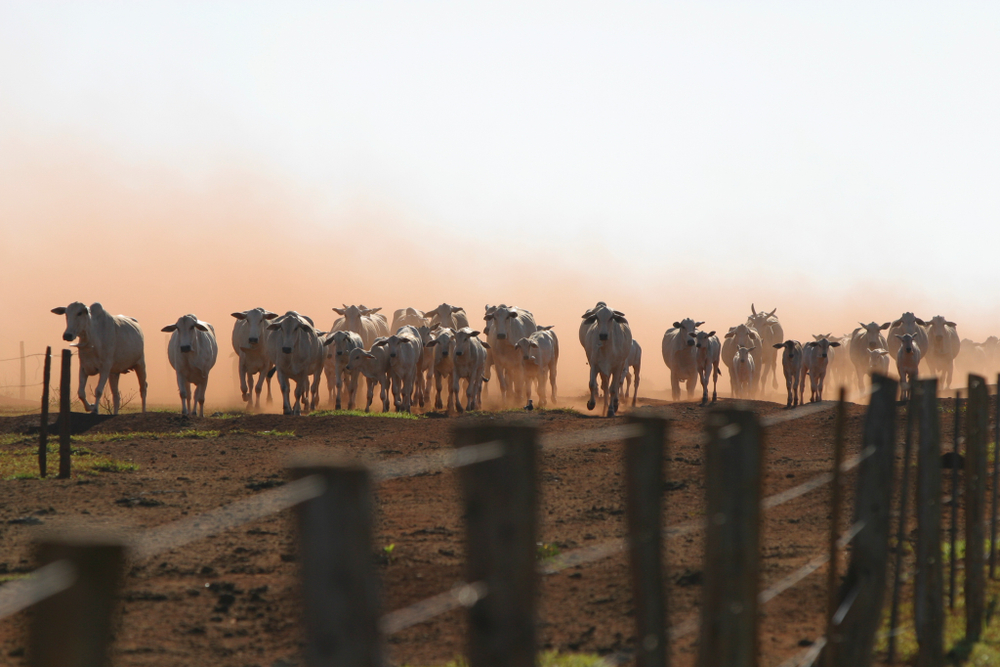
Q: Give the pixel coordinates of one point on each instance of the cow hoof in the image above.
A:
(590, 405)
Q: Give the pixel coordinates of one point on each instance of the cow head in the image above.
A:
(352, 314)
(936, 331)
(909, 322)
(743, 353)
(743, 335)
(687, 329)
(255, 322)
(759, 320)
(908, 343)
(77, 320)
(788, 349)
(870, 334)
(184, 329)
(502, 318)
(822, 346)
(287, 330)
(876, 359)
(701, 338)
(443, 338)
(605, 318)
(463, 341)
(343, 342)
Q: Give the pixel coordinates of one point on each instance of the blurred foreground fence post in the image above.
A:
(43, 425)
(996, 485)
(340, 588)
(73, 628)
(863, 592)
(733, 481)
(928, 597)
(955, 495)
(904, 495)
(836, 500)
(644, 479)
(977, 427)
(501, 505)
(64, 415)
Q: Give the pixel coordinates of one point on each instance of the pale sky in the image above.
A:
(843, 146)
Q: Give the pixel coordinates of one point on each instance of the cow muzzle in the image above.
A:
(340, 354)
(392, 355)
(444, 354)
(501, 336)
(286, 350)
(253, 341)
(690, 343)
(602, 336)
(68, 336)
(458, 354)
(185, 348)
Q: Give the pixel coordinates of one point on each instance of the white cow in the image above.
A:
(607, 342)
(539, 357)
(298, 354)
(374, 365)
(448, 316)
(743, 372)
(339, 345)
(708, 352)
(441, 354)
(907, 323)
(192, 351)
(771, 334)
(680, 356)
(509, 324)
(408, 316)
(878, 362)
(739, 336)
(405, 352)
(908, 363)
(943, 346)
(250, 345)
(362, 321)
(634, 364)
(815, 359)
(109, 346)
(791, 365)
(863, 340)
(468, 365)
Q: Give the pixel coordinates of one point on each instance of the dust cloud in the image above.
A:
(151, 243)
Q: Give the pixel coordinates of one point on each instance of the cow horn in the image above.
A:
(753, 311)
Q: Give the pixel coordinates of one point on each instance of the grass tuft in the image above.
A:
(362, 413)
(22, 463)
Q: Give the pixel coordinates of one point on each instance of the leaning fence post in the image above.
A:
(996, 486)
(928, 598)
(644, 477)
(836, 500)
(977, 427)
(64, 416)
(43, 426)
(73, 628)
(501, 502)
(904, 494)
(340, 589)
(733, 481)
(952, 562)
(863, 591)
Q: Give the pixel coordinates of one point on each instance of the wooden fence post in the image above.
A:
(64, 416)
(501, 505)
(733, 482)
(952, 561)
(24, 373)
(43, 426)
(73, 628)
(836, 500)
(863, 591)
(928, 599)
(644, 477)
(340, 589)
(977, 426)
(996, 486)
(904, 494)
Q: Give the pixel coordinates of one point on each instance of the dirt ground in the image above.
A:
(232, 599)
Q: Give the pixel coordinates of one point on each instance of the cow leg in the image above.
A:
(115, 395)
(99, 390)
(82, 391)
(199, 396)
(675, 386)
(437, 386)
(715, 383)
(592, 403)
(260, 386)
(605, 381)
(183, 390)
(283, 385)
(243, 379)
(265, 372)
(140, 375)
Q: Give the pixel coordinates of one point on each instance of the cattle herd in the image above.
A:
(422, 350)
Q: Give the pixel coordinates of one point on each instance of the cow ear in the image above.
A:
(473, 333)
(431, 343)
(951, 324)
(485, 344)
(677, 325)
(534, 344)
(488, 317)
(372, 311)
(692, 335)
(812, 344)
(730, 334)
(899, 337)
(862, 325)
(698, 324)
(273, 327)
(455, 309)
(339, 311)
(269, 315)
(590, 320)
(834, 344)
(620, 318)
(618, 313)
(778, 346)
(885, 326)
(918, 321)
(367, 355)
(711, 333)
(61, 310)
(169, 328)
(240, 316)
(896, 323)
(380, 343)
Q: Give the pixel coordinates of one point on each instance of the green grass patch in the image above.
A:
(362, 413)
(23, 463)
(7, 439)
(546, 551)
(275, 434)
(189, 434)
